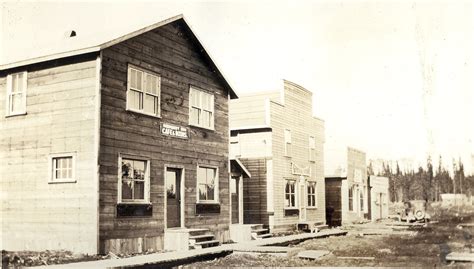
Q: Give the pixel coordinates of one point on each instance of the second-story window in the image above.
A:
(16, 94)
(143, 93)
(312, 149)
(287, 142)
(201, 108)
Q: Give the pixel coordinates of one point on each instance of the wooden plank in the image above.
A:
(460, 257)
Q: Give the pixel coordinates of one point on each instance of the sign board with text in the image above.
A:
(174, 131)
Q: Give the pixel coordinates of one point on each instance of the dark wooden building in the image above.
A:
(133, 150)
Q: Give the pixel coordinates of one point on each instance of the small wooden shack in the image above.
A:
(120, 146)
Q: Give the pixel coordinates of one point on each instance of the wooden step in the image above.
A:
(259, 230)
(257, 226)
(201, 236)
(264, 235)
(204, 244)
(193, 232)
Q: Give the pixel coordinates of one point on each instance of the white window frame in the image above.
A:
(216, 187)
(146, 198)
(295, 184)
(51, 169)
(313, 194)
(10, 93)
(145, 73)
(312, 149)
(287, 140)
(196, 91)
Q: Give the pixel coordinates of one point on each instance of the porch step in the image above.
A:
(264, 235)
(312, 227)
(259, 230)
(198, 237)
(257, 226)
(206, 244)
(194, 232)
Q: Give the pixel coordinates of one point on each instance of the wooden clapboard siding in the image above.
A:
(170, 52)
(295, 114)
(250, 110)
(287, 109)
(356, 160)
(255, 199)
(61, 105)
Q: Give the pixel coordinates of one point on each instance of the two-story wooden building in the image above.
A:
(347, 190)
(120, 146)
(280, 142)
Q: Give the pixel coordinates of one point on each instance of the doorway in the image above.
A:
(173, 179)
(235, 201)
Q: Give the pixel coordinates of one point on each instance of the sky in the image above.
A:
(391, 78)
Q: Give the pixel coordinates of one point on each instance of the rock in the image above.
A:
(385, 250)
(312, 254)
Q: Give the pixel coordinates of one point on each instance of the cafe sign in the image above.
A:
(174, 131)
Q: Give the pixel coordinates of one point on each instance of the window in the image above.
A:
(311, 189)
(287, 142)
(143, 93)
(16, 93)
(312, 149)
(207, 184)
(290, 194)
(134, 180)
(361, 197)
(62, 168)
(201, 108)
(351, 198)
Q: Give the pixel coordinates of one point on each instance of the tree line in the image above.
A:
(425, 183)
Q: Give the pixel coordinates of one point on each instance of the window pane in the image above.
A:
(194, 117)
(151, 84)
(133, 99)
(292, 200)
(17, 104)
(139, 80)
(139, 190)
(206, 102)
(139, 170)
(127, 169)
(206, 118)
(202, 191)
(69, 173)
(126, 189)
(210, 192)
(201, 175)
(133, 78)
(210, 175)
(150, 104)
(194, 98)
(20, 82)
(14, 83)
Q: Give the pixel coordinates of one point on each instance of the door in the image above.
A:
(302, 199)
(234, 194)
(173, 197)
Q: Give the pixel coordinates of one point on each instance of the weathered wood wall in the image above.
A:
(333, 201)
(61, 117)
(255, 198)
(356, 161)
(169, 52)
(249, 110)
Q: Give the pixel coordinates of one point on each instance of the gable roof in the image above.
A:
(109, 43)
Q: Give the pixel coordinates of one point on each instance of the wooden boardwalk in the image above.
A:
(168, 259)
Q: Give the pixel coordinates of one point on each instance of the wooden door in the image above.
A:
(302, 202)
(234, 193)
(173, 197)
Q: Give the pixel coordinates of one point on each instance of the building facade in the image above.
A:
(280, 142)
(116, 146)
(378, 198)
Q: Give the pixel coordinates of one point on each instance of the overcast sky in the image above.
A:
(392, 78)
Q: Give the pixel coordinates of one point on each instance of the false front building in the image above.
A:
(275, 136)
(120, 146)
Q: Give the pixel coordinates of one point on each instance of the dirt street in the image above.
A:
(427, 247)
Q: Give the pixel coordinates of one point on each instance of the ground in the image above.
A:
(428, 247)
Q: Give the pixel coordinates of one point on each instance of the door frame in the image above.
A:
(302, 198)
(181, 193)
